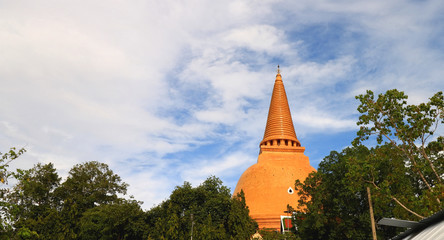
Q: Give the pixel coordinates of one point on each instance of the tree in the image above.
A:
(404, 171)
(5, 159)
(409, 130)
(35, 203)
(121, 220)
(393, 183)
(240, 224)
(88, 185)
(5, 205)
(92, 183)
(85, 206)
(205, 212)
(328, 207)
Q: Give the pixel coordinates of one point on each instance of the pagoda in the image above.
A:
(269, 184)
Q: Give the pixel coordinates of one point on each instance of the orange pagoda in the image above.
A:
(268, 185)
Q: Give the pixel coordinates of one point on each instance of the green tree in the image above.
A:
(328, 207)
(35, 203)
(5, 205)
(92, 183)
(240, 224)
(86, 206)
(409, 130)
(404, 171)
(88, 185)
(393, 184)
(120, 220)
(5, 159)
(205, 212)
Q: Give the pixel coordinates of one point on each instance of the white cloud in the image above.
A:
(317, 75)
(322, 122)
(261, 38)
(225, 166)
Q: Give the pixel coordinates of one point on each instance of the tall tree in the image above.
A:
(409, 130)
(88, 185)
(92, 183)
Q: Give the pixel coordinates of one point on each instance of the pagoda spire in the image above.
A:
(279, 131)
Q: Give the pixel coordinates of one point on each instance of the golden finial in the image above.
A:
(279, 71)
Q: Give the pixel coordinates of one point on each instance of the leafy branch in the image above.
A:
(407, 127)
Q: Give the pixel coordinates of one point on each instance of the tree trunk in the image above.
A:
(372, 218)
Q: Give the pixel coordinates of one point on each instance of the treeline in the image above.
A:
(89, 205)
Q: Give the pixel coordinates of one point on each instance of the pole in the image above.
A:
(192, 225)
(372, 218)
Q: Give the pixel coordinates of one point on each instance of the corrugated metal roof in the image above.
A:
(431, 228)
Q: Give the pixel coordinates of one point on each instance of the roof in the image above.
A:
(430, 228)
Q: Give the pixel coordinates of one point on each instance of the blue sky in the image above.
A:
(172, 91)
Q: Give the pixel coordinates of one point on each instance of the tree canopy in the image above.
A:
(89, 204)
(5, 206)
(119, 220)
(204, 212)
(404, 171)
(409, 130)
(43, 207)
(328, 207)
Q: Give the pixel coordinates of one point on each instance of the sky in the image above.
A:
(167, 91)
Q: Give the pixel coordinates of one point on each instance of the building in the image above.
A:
(268, 185)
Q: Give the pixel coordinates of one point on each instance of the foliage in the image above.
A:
(205, 212)
(240, 224)
(6, 206)
(393, 184)
(92, 183)
(5, 159)
(44, 208)
(35, 202)
(328, 207)
(404, 171)
(121, 220)
(409, 130)
(88, 185)
(87, 206)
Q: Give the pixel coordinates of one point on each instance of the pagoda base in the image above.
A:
(268, 222)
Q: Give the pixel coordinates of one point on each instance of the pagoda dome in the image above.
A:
(269, 184)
